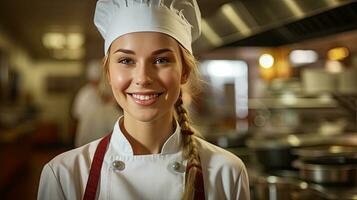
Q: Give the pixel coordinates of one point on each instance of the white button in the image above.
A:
(118, 165)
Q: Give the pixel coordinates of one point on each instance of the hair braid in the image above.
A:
(190, 150)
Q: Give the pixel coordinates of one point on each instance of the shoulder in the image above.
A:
(225, 174)
(74, 159)
(64, 175)
(215, 157)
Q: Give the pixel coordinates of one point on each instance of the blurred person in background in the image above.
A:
(153, 151)
(88, 98)
(99, 121)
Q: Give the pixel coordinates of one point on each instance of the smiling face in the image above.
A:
(145, 72)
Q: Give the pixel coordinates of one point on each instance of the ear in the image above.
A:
(107, 76)
(185, 74)
(106, 69)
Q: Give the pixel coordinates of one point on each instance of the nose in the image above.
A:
(143, 77)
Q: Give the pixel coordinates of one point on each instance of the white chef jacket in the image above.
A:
(86, 100)
(154, 176)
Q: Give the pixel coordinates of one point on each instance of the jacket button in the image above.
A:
(118, 165)
(176, 166)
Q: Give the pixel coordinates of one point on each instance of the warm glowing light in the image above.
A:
(75, 40)
(293, 140)
(266, 60)
(337, 53)
(64, 45)
(54, 40)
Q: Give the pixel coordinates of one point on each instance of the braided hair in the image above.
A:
(190, 148)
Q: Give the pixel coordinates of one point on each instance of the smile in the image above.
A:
(145, 99)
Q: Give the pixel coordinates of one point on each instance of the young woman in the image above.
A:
(152, 152)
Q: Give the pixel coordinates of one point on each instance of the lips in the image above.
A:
(145, 99)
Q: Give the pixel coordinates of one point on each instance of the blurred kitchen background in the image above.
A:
(280, 90)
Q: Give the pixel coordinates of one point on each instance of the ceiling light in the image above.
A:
(210, 34)
(75, 40)
(266, 60)
(54, 40)
(299, 57)
(236, 20)
(225, 68)
(294, 8)
(64, 45)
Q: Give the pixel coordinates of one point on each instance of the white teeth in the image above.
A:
(145, 97)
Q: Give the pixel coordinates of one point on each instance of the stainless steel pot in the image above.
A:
(331, 170)
(319, 152)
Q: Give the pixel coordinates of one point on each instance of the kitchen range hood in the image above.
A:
(274, 22)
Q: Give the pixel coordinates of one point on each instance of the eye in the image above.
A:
(161, 60)
(126, 61)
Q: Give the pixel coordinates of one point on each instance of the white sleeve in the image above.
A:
(49, 188)
(242, 191)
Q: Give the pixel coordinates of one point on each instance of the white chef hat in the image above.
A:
(180, 19)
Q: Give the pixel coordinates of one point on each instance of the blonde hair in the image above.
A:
(190, 147)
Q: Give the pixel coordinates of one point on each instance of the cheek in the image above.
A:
(119, 80)
(171, 79)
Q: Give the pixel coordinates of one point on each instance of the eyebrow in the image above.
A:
(156, 52)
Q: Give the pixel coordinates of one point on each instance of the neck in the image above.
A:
(147, 137)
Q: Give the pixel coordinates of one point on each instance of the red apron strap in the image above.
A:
(96, 166)
(199, 184)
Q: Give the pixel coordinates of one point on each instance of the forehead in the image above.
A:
(145, 42)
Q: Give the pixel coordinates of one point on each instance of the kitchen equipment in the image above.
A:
(327, 164)
(347, 81)
(274, 158)
(321, 152)
(315, 81)
(328, 170)
(282, 188)
(274, 152)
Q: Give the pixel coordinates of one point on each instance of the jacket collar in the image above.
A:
(122, 146)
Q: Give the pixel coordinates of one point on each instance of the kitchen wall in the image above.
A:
(54, 108)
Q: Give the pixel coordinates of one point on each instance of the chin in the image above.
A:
(146, 116)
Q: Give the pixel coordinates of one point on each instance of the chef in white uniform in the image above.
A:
(88, 98)
(152, 152)
(99, 122)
